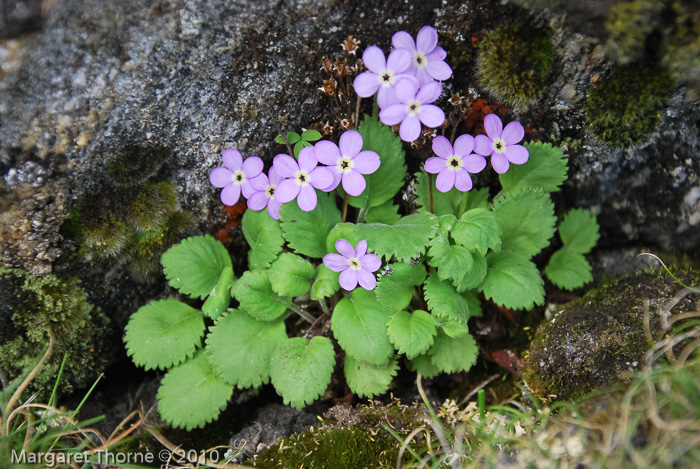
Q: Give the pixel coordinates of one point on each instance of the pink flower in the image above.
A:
(454, 165)
(414, 109)
(354, 265)
(264, 195)
(383, 74)
(500, 143)
(427, 58)
(236, 176)
(301, 178)
(347, 162)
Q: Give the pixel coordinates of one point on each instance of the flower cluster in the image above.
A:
(453, 164)
(405, 82)
(354, 264)
(289, 179)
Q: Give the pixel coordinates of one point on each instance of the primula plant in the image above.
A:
(394, 283)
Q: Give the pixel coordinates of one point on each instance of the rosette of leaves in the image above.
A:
(242, 336)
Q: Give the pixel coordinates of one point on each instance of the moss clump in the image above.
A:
(131, 220)
(624, 108)
(350, 447)
(29, 306)
(600, 339)
(515, 62)
(631, 28)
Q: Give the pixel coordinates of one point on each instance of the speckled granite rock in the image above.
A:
(198, 77)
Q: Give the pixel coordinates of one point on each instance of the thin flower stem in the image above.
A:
(357, 111)
(345, 207)
(430, 185)
(324, 306)
(307, 317)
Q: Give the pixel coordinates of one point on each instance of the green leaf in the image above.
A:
(306, 232)
(300, 370)
(579, 230)
(163, 333)
(423, 365)
(387, 213)
(445, 302)
(342, 230)
(291, 275)
(527, 220)
(453, 202)
(325, 284)
(453, 354)
(396, 290)
(220, 296)
(478, 230)
(413, 233)
(385, 182)
(264, 236)
(292, 138)
(359, 326)
(254, 292)
(191, 394)
(411, 333)
(545, 170)
(298, 147)
(512, 281)
(239, 348)
(195, 265)
(311, 135)
(367, 380)
(452, 262)
(454, 329)
(568, 269)
(475, 275)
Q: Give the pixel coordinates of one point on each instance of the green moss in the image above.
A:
(135, 165)
(29, 306)
(629, 29)
(682, 54)
(600, 339)
(625, 107)
(351, 447)
(515, 62)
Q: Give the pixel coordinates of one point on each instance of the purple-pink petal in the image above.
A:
(257, 201)
(327, 152)
(353, 183)
(426, 39)
(344, 247)
(366, 162)
(431, 115)
(464, 145)
(435, 164)
(442, 148)
(483, 145)
(321, 178)
(252, 166)
(348, 279)
(350, 143)
(423, 76)
(307, 198)
(516, 154)
(307, 159)
(462, 180)
(232, 159)
(429, 92)
(406, 89)
(410, 128)
(404, 40)
(230, 194)
(220, 177)
(287, 190)
(370, 262)
(286, 166)
(445, 180)
(374, 60)
(499, 162)
(260, 182)
(513, 133)
(274, 177)
(361, 250)
(366, 84)
(393, 114)
(493, 126)
(366, 279)
(335, 262)
(438, 69)
(386, 96)
(399, 60)
(474, 163)
(247, 189)
(273, 208)
(437, 54)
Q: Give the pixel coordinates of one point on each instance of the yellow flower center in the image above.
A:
(386, 78)
(420, 60)
(354, 263)
(344, 164)
(499, 146)
(454, 162)
(302, 178)
(238, 177)
(414, 107)
(270, 192)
